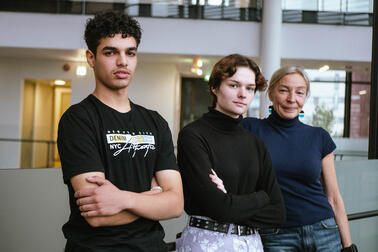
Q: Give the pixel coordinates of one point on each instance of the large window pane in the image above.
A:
(360, 105)
(325, 104)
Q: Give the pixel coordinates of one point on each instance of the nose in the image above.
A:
(242, 93)
(291, 97)
(122, 60)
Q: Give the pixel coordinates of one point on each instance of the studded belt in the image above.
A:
(220, 227)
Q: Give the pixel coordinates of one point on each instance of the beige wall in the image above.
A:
(154, 86)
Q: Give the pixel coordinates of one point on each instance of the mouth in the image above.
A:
(240, 104)
(290, 109)
(122, 74)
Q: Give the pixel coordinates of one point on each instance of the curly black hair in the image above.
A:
(226, 67)
(108, 24)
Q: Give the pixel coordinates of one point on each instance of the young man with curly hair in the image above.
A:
(117, 157)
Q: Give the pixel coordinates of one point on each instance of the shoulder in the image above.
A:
(150, 114)
(319, 131)
(319, 135)
(251, 120)
(192, 131)
(252, 123)
(81, 110)
(253, 138)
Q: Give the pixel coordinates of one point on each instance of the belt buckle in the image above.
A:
(239, 231)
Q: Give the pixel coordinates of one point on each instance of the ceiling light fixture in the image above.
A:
(362, 92)
(59, 82)
(324, 68)
(196, 66)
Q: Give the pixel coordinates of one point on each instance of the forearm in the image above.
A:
(159, 206)
(271, 215)
(230, 207)
(342, 221)
(121, 218)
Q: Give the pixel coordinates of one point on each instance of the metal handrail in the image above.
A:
(48, 142)
(363, 215)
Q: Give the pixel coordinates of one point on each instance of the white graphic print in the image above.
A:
(120, 141)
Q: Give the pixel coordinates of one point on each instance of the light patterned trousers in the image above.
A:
(201, 240)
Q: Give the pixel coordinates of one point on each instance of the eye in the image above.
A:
(131, 53)
(108, 53)
(232, 85)
(251, 88)
(282, 90)
(301, 92)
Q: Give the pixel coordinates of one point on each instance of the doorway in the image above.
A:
(195, 99)
(44, 102)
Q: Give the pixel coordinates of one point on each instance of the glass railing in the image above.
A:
(358, 183)
(294, 11)
(361, 6)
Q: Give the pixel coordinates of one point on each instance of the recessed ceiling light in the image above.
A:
(324, 68)
(59, 82)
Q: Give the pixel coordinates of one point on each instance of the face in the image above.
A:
(236, 92)
(115, 62)
(289, 95)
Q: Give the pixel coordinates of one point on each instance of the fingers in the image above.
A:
(85, 201)
(222, 188)
(219, 183)
(95, 213)
(85, 192)
(214, 172)
(96, 180)
(88, 207)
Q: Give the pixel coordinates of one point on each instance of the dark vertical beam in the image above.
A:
(373, 125)
(347, 102)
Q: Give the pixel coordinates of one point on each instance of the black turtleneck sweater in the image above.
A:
(241, 160)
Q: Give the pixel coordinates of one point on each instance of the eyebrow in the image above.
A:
(112, 48)
(285, 86)
(249, 84)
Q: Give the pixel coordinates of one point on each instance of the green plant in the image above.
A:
(323, 117)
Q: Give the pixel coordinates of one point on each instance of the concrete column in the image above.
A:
(270, 45)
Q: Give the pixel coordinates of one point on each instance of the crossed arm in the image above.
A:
(103, 204)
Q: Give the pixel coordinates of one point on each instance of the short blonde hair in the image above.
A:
(283, 71)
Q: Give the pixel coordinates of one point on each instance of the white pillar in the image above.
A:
(270, 45)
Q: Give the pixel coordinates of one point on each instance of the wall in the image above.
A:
(194, 37)
(155, 86)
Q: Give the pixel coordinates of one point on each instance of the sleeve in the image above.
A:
(195, 166)
(272, 214)
(77, 145)
(166, 156)
(328, 144)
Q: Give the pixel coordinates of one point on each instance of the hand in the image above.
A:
(214, 177)
(104, 200)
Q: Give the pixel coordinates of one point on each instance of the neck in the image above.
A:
(116, 99)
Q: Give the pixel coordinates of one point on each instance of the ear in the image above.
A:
(90, 58)
(270, 96)
(214, 91)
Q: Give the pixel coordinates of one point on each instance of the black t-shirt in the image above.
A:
(128, 148)
(217, 141)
